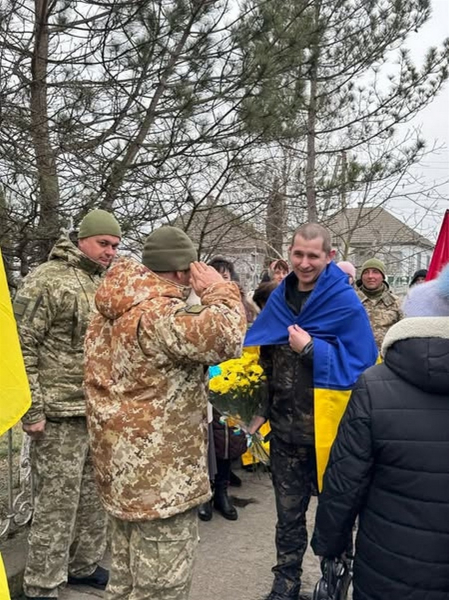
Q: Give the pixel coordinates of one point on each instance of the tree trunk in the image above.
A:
(48, 187)
(344, 171)
(5, 240)
(312, 211)
(120, 168)
(275, 221)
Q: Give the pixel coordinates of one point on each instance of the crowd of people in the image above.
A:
(117, 352)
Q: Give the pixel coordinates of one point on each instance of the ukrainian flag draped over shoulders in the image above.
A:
(15, 396)
(343, 343)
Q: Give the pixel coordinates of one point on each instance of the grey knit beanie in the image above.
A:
(168, 249)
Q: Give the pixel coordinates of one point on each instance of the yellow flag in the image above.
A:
(15, 395)
(330, 406)
(4, 590)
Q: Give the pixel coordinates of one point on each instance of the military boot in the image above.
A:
(223, 503)
(205, 511)
(98, 579)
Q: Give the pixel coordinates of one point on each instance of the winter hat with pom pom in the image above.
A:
(430, 299)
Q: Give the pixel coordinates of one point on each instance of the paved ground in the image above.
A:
(235, 558)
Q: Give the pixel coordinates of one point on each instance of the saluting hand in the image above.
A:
(298, 338)
(202, 276)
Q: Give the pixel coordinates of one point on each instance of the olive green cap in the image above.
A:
(168, 249)
(374, 263)
(99, 222)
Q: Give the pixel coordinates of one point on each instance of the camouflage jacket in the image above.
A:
(52, 308)
(146, 387)
(383, 312)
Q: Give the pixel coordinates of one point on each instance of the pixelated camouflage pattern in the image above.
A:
(383, 312)
(68, 530)
(146, 386)
(52, 308)
(153, 559)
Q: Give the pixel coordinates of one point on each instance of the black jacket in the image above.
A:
(290, 393)
(390, 465)
(289, 377)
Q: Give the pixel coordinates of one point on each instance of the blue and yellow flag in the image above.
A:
(343, 341)
(15, 396)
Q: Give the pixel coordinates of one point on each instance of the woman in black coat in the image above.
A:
(390, 464)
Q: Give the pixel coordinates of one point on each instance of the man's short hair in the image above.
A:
(311, 231)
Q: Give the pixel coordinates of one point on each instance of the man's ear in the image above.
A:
(332, 254)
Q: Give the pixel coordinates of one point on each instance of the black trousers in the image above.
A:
(223, 473)
(294, 476)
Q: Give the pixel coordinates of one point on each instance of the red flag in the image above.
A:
(440, 255)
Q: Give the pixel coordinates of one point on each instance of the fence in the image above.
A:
(16, 489)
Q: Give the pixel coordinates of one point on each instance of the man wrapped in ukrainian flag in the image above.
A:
(315, 340)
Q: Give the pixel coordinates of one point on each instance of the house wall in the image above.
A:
(400, 260)
(248, 264)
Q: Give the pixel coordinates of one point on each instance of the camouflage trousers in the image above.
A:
(153, 560)
(294, 476)
(68, 530)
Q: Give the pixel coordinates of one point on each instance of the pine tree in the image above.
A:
(354, 84)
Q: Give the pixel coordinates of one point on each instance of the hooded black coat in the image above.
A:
(390, 465)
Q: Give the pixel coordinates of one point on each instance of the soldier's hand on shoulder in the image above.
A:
(35, 430)
(202, 276)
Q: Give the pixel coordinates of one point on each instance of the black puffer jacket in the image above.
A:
(390, 465)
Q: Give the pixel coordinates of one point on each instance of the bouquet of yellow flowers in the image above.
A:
(236, 391)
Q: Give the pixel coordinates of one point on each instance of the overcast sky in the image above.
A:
(433, 121)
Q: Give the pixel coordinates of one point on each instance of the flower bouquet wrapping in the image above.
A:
(237, 389)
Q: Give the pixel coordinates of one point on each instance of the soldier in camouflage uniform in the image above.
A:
(52, 308)
(147, 353)
(382, 306)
